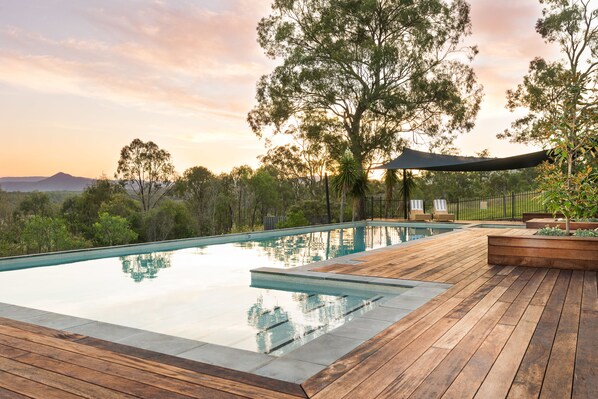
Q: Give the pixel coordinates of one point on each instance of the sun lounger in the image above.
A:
(441, 211)
(416, 211)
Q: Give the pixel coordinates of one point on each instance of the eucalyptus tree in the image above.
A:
(565, 88)
(197, 186)
(303, 160)
(562, 100)
(147, 170)
(378, 71)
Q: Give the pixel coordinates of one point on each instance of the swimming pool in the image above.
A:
(205, 294)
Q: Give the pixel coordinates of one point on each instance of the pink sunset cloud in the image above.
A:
(156, 54)
(183, 73)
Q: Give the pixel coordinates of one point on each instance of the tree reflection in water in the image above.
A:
(143, 266)
(278, 327)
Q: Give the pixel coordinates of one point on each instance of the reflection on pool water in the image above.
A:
(204, 293)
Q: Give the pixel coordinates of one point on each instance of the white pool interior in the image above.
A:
(205, 293)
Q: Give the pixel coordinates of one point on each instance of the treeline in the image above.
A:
(107, 213)
(201, 203)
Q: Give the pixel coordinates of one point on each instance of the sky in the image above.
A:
(81, 79)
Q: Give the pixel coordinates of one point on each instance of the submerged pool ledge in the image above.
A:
(56, 258)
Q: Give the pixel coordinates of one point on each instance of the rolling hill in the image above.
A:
(58, 182)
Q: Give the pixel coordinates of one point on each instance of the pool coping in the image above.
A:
(62, 257)
(295, 366)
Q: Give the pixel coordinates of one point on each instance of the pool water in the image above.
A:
(204, 293)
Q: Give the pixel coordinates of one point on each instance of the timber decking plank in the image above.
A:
(344, 382)
(408, 382)
(473, 374)
(57, 380)
(442, 377)
(344, 368)
(498, 330)
(403, 360)
(233, 378)
(6, 394)
(32, 389)
(528, 381)
(376, 382)
(462, 328)
(585, 382)
(208, 381)
(105, 383)
(498, 381)
(112, 369)
(521, 302)
(558, 381)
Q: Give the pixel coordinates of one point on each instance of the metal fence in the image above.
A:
(503, 207)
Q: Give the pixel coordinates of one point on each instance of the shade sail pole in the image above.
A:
(405, 193)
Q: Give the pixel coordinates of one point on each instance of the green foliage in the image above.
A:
(167, 221)
(562, 100)
(294, 218)
(122, 205)
(144, 266)
(198, 186)
(347, 175)
(551, 231)
(112, 230)
(82, 212)
(455, 185)
(304, 160)
(37, 204)
(586, 233)
(564, 87)
(47, 234)
(574, 195)
(147, 170)
(353, 72)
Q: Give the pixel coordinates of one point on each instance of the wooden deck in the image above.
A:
(498, 332)
(37, 362)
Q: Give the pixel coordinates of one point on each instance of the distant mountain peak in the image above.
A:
(58, 182)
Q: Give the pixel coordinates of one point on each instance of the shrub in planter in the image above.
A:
(586, 233)
(551, 231)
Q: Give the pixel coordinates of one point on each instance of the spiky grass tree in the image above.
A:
(358, 192)
(344, 180)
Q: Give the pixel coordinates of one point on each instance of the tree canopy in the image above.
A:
(562, 100)
(372, 69)
(566, 87)
(146, 169)
(366, 71)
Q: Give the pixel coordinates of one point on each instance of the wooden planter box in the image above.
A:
(541, 223)
(536, 215)
(577, 253)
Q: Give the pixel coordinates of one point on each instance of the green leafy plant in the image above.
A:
(346, 179)
(367, 75)
(551, 231)
(294, 218)
(561, 99)
(112, 230)
(586, 233)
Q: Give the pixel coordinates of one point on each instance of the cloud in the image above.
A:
(185, 58)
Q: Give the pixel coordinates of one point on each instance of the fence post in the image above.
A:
(458, 200)
(512, 205)
(504, 206)
(372, 206)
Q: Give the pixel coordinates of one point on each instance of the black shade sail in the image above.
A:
(412, 159)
